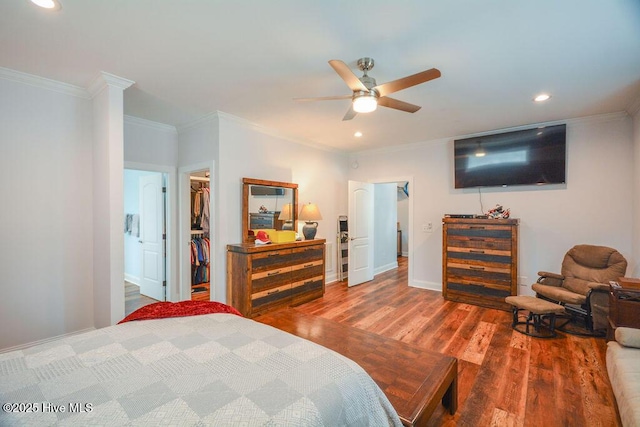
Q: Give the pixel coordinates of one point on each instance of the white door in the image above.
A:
(151, 236)
(360, 232)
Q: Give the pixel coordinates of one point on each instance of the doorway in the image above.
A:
(197, 232)
(145, 249)
(399, 204)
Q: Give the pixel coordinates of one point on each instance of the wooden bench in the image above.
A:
(414, 380)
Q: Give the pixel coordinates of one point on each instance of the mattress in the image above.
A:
(214, 369)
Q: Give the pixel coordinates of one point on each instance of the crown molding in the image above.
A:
(634, 107)
(150, 124)
(271, 132)
(253, 126)
(599, 118)
(44, 83)
(106, 79)
(207, 118)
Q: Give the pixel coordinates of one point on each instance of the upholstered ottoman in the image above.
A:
(539, 311)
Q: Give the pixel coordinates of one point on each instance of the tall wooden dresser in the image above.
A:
(480, 260)
(262, 278)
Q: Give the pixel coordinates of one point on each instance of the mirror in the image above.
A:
(268, 205)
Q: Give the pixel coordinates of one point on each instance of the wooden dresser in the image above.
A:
(480, 261)
(261, 278)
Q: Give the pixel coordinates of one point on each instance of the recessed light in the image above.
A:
(48, 4)
(358, 134)
(542, 97)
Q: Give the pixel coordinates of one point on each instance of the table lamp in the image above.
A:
(285, 215)
(310, 214)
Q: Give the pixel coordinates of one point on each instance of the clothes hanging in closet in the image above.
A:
(199, 260)
(200, 208)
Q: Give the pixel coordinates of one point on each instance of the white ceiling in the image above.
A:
(250, 58)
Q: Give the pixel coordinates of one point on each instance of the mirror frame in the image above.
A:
(246, 184)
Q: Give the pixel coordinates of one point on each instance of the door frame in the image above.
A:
(184, 218)
(410, 238)
(171, 274)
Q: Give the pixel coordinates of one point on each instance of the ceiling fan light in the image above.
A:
(48, 4)
(365, 103)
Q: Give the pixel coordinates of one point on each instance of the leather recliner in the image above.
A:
(583, 284)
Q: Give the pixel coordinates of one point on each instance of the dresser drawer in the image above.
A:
(268, 279)
(489, 257)
(476, 242)
(304, 255)
(475, 230)
(307, 290)
(270, 299)
(306, 270)
(270, 260)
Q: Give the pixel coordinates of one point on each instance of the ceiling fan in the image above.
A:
(367, 95)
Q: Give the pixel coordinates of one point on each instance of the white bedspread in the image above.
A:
(216, 369)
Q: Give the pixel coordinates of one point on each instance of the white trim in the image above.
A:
(131, 120)
(135, 280)
(197, 122)
(44, 83)
(105, 79)
(634, 107)
(277, 134)
(45, 340)
(384, 268)
(256, 128)
(423, 284)
(405, 147)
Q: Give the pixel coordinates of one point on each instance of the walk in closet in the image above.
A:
(200, 244)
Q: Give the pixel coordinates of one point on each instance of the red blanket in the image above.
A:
(160, 310)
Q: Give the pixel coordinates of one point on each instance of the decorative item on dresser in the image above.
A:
(268, 277)
(480, 260)
(310, 213)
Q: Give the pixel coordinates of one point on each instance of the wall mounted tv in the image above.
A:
(524, 157)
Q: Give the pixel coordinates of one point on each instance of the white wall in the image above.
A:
(634, 270)
(249, 151)
(385, 226)
(594, 207)
(46, 228)
(150, 142)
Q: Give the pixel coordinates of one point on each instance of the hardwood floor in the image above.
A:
(133, 300)
(504, 378)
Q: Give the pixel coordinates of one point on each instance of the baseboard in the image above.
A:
(132, 279)
(44, 341)
(330, 278)
(423, 284)
(390, 266)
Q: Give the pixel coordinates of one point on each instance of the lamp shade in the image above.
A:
(310, 212)
(285, 213)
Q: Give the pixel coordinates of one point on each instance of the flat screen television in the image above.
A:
(524, 157)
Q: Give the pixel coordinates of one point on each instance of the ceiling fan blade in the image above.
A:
(347, 75)
(324, 98)
(350, 114)
(385, 101)
(405, 82)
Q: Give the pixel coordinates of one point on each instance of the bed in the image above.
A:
(204, 369)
